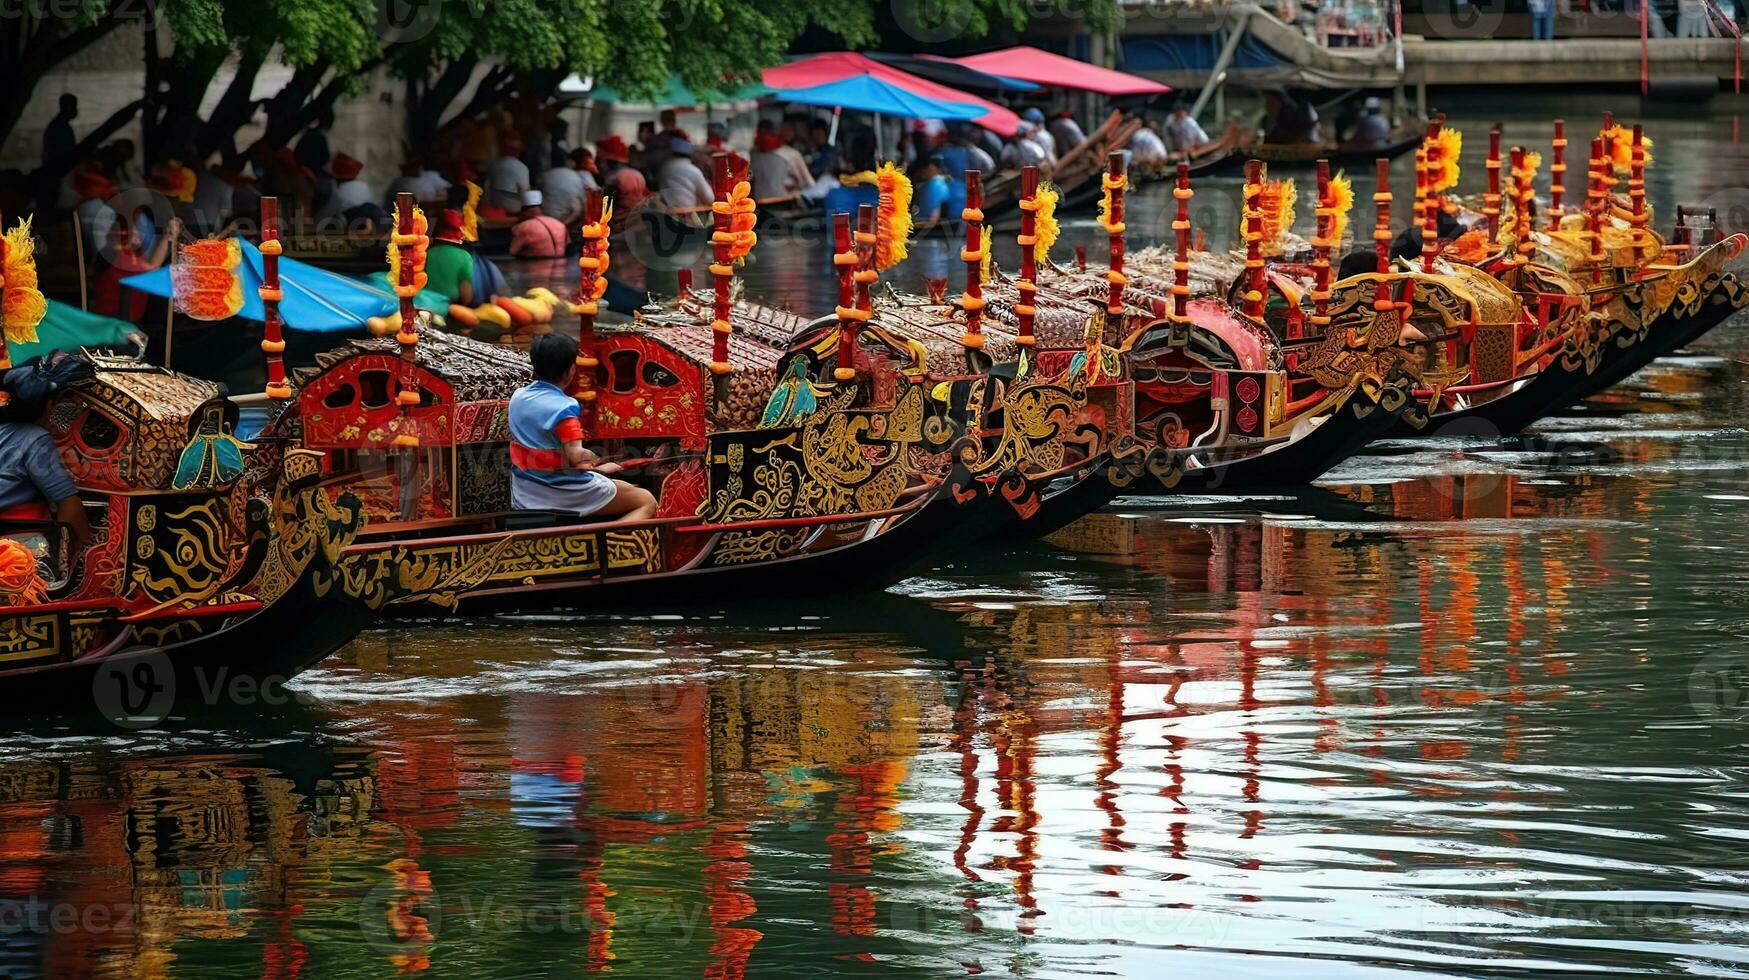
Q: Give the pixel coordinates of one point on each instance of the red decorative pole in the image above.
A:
(1637, 189)
(1027, 286)
(1114, 228)
(1491, 199)
(1430, 207)
(406, 243)
(1523, 193)
(849, 317)
(973, 256)
(1381, 236)
(1557, 174)
(723, 268)
(1594, 205)
(866, 237)
(1253, 218)
(1322, 242)
(1181, 228)
(591, 284)
(273, 341)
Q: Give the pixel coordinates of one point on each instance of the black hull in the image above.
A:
(871, 564)
(1358, 423)
(1088, 493)
(1233, 164)
(1559, 388)
(238, 664)
(1670, 333)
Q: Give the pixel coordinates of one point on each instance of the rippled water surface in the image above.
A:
(1468, 708)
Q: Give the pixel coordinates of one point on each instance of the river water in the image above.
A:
(1471, 708)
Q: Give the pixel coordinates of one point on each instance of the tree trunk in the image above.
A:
(234, 111)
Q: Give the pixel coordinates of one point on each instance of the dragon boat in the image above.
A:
(200, 576)
(1018, 427)
(1238, 384)
(1516, 323)
(751, 499)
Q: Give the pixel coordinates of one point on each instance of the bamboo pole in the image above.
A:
(79, 251)
(972, 301)
(1024, 309)
(1430, 206)
(273, 338)
(845, 259)
(174, 230)
(1253, 231)
(588, 271)
(1114, 228)
(1381, 236)
(1594, 205)
(1322, 242)
(1181, 261)
(865, 237)
(722, 269)
(408, 337)
(1491, 199)
(1557, 174)
(1522, 196)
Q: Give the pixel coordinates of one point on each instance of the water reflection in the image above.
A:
(1469, 707)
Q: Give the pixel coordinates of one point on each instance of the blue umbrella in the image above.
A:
(870, 93)
(315, 299)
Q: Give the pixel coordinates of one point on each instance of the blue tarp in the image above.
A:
(1193, 52)
(867, 93)
(315, 299)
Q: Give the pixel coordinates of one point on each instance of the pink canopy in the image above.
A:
(835, 66)
(1032, 65)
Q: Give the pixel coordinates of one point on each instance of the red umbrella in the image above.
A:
(835, 66)
(1032, 65)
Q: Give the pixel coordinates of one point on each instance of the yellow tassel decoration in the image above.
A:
(984, 266)
(894, 217)
(1107, 186)
(1341, 202)
(1451, 144)
(1044, 222)
(24, 303)
(1619, 143)
(1277, 204)
(471, 214)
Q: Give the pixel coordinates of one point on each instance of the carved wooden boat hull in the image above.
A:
(1357, 422)
(640, 564)
(200, 659)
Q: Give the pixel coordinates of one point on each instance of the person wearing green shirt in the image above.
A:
(449, 267)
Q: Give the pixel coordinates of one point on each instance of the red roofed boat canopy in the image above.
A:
(833, 66)
(1032, 65)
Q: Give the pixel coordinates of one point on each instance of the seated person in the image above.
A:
(34, 483)
(550, 469)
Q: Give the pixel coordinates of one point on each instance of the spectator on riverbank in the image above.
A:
(822, 156)
(1286, 120)
(563, 187)
(449, 266)
(58, 144)
(683, 186)
(426, 186)
(350, 189)
(1147, 150)
(1067, 133)
(1039, 134)
(507, 177)
(933, 191)
(619, 179)
(1022, 150)
(1372, 129)
(1542, 20)
(1184, 135)
(768, 171)
(535, 234)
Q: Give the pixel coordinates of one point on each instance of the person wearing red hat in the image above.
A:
(349, 190)
(619, 179)
(449, 266)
